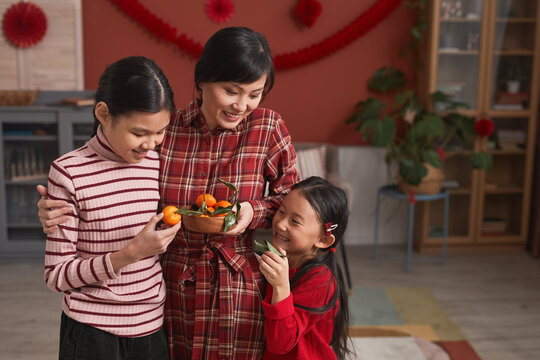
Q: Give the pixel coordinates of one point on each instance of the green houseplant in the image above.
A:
(423, 137)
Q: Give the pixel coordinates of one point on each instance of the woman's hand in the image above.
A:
(244, 219)
(51, 212)
(276, 270)
(148, 242)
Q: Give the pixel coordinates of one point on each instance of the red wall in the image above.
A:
(314, 99)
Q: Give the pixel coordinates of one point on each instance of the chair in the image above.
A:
(394, 192)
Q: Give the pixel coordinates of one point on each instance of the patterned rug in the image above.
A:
(405, 324)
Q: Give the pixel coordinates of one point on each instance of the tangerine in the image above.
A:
(209, 198)
(222, 203)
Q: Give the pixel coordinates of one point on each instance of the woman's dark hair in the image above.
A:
(330, 205)
(236, 54)
(134, 83)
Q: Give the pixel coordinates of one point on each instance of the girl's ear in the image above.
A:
(102, 112)
(325, 241)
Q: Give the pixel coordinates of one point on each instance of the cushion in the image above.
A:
(311, 162)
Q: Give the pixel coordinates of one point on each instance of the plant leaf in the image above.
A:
(432, 158)
(259, 248)
(412, 171)
(387, 78)
(229, 221)
(482, 160)
(382, 131)
(186, 210)
(229, 185)
(273, 249)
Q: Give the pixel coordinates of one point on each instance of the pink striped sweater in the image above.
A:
(112, 201)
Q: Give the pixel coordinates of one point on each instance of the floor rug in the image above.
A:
(404, 323)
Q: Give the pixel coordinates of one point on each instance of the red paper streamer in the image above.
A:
(24, 24)
(358, 27)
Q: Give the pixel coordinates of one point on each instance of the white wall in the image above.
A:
(365, 169)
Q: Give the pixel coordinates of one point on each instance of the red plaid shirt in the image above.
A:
(213, 308)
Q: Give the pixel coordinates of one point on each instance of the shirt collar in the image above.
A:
(102, 147)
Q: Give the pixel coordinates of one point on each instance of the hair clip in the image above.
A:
(332, 249)
(330, 227)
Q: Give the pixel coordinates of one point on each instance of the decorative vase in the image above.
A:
(513, 86)
(430, 184)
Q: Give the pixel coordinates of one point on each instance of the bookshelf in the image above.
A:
(486, 54)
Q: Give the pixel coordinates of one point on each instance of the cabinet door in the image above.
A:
(511, 104)
(458, 56)
(28, 148)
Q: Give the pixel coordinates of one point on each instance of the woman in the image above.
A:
(213, 306)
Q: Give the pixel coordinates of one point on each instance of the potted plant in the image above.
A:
(419, 147)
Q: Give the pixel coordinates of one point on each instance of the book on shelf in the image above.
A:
(507, 98)
(508, 107)
(494, 225)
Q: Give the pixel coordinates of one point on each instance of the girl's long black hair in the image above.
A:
(134, 84)
(330, 205)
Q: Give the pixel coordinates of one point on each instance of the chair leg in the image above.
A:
(410, 236)
(376, 237)
(346, 264)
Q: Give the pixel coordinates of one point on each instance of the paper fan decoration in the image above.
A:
(308, 11)
(24, 24)
(220, 10)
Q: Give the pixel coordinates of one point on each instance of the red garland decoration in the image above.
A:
(24, 24)
(358, 27)
(308, 11)
(484, 127)
(220, 11)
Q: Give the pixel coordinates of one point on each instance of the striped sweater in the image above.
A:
(112, 200)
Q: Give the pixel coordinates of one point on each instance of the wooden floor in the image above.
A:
(493, 298)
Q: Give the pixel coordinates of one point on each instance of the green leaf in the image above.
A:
(262, 248)
(432, 158)
(382, 131)
(412, 171)
(429, 125)
(229, 221)
(273, 249)
(222, 210)
(229, 185)
(387, 78)
(259, 248)
(186, 210)
(482, 160)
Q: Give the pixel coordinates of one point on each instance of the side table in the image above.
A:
(394, 192)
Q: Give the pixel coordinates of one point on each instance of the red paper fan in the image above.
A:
(308, 11)
(220, 10)
(24, 24)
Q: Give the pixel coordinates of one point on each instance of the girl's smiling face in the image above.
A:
(297, 229)
(226, 104)
(131, 136)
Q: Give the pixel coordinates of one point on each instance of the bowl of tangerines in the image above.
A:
(208, 215)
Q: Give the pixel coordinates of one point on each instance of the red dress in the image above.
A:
(295, 333)
(213, 308)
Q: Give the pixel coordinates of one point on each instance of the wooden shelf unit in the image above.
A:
(508, 37)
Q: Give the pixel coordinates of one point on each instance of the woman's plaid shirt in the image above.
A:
(213, 307)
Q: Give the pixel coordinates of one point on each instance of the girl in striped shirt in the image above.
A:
(105, 257)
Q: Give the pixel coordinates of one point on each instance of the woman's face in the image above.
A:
(225, 104)
(132, 136)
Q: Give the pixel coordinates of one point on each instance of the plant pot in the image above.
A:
(430, 184)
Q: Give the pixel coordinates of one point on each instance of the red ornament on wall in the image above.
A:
(220, 10)
(24, 24)
(308, 11)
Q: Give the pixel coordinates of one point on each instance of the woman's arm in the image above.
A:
(51, 212)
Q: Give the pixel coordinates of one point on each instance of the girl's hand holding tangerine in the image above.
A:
(276, 271)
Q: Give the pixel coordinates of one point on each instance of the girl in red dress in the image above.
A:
(305, 307)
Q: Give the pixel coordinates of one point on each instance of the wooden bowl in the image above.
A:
(17, 97)
(207, 225)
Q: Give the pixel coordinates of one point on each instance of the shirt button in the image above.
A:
(203, 173)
